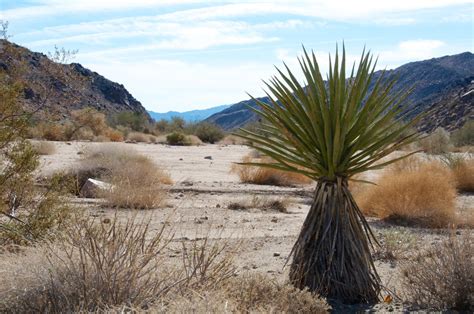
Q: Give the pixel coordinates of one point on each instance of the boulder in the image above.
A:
(92, 187)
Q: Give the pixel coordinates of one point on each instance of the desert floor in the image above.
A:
(202, 190)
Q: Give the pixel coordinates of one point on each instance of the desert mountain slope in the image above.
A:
(439, 83)
(60, 88)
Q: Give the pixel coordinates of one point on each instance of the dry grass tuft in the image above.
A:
(138, 137)
(267, 176)
(232, 140)
(462, 166)
(137, 181)
(44, 148)
(442, 278)
(423, 195)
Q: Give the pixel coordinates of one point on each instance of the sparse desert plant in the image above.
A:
(208, 132)
(424, 196)
(464, 136)
(177, 138)
(395, 244)
(97, 266)
(266, 176)
(114, 135)
(330, 131)
(442, 278)
(44, 148)
(262, 203)
(438, 142)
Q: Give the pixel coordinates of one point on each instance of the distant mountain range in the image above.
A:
(189, 116)
(443, 85)
(60, 88)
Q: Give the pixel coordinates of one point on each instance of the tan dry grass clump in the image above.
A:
(262, 203)
(421, 194)
(266, 176)
(138, 137)
(463, 171)
(137, 181)
(442, 277)
(44, 147)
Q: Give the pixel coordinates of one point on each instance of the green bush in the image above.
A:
(208, 132)
(465, 135)
(177, 138)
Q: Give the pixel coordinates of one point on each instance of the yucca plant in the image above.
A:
(330, 131)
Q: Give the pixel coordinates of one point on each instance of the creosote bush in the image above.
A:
(266, 176)
(421, 194)
(437, 142)
(208, 132)
(442, 277)
(177, 138)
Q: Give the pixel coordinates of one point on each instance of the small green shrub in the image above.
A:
(177, 138)
(208, 132)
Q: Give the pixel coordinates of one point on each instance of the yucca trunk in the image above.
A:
(332, 253)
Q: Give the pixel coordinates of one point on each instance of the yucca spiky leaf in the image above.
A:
(333, 128)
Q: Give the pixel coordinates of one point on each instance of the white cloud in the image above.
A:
(326, 9)
(411, 50)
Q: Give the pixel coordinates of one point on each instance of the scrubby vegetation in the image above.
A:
(438, 142)
(136, 181)
(113, 266)
(442, 277)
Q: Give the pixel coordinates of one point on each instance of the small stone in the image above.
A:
(276, 254)
(204, 218)
(218, 206)
(208, 157)
(181, 159)
(458, 232)
(274, 219)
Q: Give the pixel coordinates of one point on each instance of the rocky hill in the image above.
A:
(442, 85)
(59, 88)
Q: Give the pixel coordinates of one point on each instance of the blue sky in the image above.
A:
(190, 54)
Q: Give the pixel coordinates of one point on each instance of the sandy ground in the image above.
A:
(197, 207)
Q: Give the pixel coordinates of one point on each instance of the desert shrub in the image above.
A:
(44, 148)
(424, 195)
(262, 203)
(114, 135)
(462, 166)
(442, 278)
(35, 215)
(464, 136)
(395, 244)
(208, 132)
(177, 138)
(437, 142)
(97, 266)
(49, 131)
(266, 176)
(137, 181)
(132, 120)
(138, 137)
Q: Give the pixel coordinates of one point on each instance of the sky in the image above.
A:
(191, 54)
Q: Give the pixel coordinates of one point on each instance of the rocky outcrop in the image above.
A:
(440, 87)
(60, 88)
